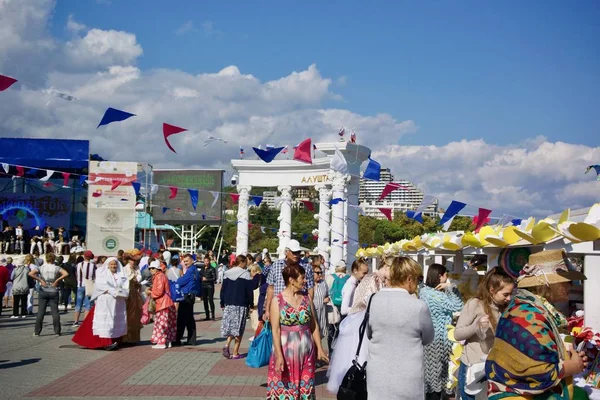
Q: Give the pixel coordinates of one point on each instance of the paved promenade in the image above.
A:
(50, 366)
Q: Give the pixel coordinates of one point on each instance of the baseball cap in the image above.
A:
(88, 254)
(293, 246)
(2, 261)
(154, 264)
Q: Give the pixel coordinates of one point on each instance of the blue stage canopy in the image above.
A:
(45, 153)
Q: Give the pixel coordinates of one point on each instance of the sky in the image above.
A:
(490, 103)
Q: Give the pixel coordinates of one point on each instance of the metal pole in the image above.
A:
(217, 238)
(220, 245)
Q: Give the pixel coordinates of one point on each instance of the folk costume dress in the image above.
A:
(165, 318)
(107, 320)
(298, 377)
(134, 302)
(527, 358)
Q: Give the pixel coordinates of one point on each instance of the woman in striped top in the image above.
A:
(321, 299)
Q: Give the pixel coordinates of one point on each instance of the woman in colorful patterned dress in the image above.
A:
(165, 318)
(529, 359)
(296, 341)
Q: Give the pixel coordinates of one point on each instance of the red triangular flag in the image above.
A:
(304, 152)
(47, 184)
(235, 197)
(173, 192)
(115, 184)
(6, 82)
(481, 218)
(389, 188)
(308, 205)
(66, 176)
(387, 212)
(20, 171)
(169, 130)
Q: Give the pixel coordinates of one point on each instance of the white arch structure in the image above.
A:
(338, 223)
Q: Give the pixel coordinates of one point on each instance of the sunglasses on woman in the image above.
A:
(318, 272)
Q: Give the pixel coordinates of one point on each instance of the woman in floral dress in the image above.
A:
(296, 341)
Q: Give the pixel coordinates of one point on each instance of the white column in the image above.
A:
(324, 219)
(285, 218)
(337, 219)
(591, 300)
(242, 219)
(352, 219)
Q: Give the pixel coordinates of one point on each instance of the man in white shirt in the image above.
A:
(359, 270)
(86, 271)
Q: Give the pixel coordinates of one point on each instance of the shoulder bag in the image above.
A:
(354, 384)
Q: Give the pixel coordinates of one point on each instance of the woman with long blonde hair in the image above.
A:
(478, 321)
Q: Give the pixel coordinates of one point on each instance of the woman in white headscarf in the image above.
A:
(107, 320)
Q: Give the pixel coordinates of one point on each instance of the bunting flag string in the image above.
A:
(173, 194)
(373, 171)
(414, 215)
(596, 168)
(235, 197)
(66, 177)
(21, 171)
(387, 212)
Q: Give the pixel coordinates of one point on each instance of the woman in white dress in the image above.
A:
(344, 348)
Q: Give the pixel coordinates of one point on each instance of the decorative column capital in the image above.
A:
(339, 180)
(324, 193)
(244, 189)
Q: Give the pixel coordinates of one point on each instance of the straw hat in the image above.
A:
(546, 268)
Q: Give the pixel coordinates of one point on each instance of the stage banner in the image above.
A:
(36, 209)
(111, 207)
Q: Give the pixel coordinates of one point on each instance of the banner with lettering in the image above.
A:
(111, 207)
(36, 209)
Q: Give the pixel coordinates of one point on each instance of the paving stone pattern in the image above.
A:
(54, 367)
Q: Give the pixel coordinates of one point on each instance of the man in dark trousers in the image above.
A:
(209, 277)
(190, 284)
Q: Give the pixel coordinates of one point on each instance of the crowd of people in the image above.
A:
(510, 330)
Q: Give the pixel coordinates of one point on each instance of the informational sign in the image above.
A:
(179, 210)
(111, 207)
(36, 209)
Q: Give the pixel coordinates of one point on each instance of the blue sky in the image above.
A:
(461, 70)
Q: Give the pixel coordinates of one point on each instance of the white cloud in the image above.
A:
(187, 27)
(209, 29)
(74, 26)
(104, 48)
(535, 176)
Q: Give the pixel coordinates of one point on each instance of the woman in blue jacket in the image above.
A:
(236, 297)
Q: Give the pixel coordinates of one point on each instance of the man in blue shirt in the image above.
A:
(190, 284)
(275, 274)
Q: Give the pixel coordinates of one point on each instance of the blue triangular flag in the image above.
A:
(203, 216)
(305, 236)
(257, 200)
(193, 197)
(32, 171)
(82, 179)
(418, 217)
(164, 209)
(336, 201)
(114, 115)
(516, 221)
(267, 155)
(273, 230)
(136, 187)
(454, 208)
(373, 171)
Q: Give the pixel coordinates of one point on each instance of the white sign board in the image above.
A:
(111, 207)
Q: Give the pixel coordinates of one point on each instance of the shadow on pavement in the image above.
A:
(19, 363)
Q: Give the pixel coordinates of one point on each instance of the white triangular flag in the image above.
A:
(447, 224)
(505, 220)
(6, 167)
(339, 163)
(427, 201)
(49, 174)
(216, 197)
